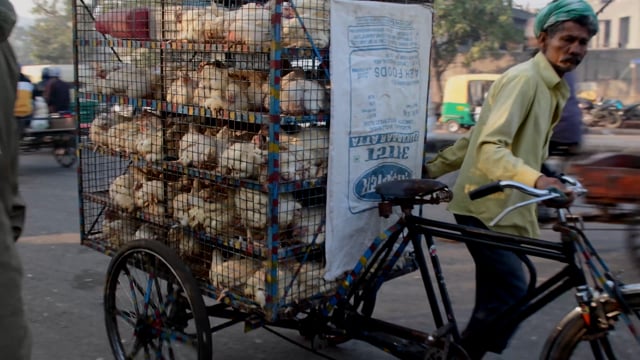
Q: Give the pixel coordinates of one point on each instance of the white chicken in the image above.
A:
(146, 232)
(215, 100)
(150, 198)
(251, 207)
(311, 227)
(224, 138)
(312, 148)
(118, 231)
(315, 15)
(250, 25)
(257, 284)
(185, 243)
(210, 76)
(197, 149)
(311, 280)
(121, 190)
(123, 137)
(254, 82)
(149, 144)
(182, 90)
(200, 23)
(294, 166)
(232, 273)
(200, 95)
(174, 132)
(301, 96)
(181, 204)
(131, 81)
(242, 160)
(99, 131)
(205, 213)
(236, 97)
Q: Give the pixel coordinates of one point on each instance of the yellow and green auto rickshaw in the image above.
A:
(462, 99)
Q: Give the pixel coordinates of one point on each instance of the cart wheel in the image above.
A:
(65, 156)
(453, 126)
(153, 307)
(633, 244)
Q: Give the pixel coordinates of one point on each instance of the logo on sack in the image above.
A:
(365, 186)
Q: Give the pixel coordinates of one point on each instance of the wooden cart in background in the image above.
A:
(613, 181)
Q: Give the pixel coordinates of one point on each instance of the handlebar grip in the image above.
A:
(485, 190)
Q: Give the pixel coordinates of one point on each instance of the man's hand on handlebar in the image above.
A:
(546, 182)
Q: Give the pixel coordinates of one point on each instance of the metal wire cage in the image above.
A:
(209, 136)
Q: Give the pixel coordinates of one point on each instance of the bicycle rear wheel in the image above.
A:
(573, 339)
(153, 307)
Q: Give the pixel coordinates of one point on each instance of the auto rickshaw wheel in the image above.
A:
(453, 126)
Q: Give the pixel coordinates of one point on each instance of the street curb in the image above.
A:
(65, 238)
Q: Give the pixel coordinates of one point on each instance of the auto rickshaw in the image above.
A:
(463, 98)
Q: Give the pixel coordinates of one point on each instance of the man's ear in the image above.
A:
(542, 40)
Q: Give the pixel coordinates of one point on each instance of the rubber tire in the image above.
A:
(453, 126)
(614, 120)
(568, 333)
(184, 278)
(68, 158)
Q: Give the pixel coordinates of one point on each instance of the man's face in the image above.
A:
(566, 48)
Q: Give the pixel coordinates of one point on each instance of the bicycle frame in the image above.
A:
(365, 280)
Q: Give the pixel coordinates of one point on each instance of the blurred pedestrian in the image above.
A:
(56, 92)
(15, 340)
(23, 109)
(510, 142)
(41, 85)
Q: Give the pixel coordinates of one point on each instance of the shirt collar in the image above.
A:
(547, 73)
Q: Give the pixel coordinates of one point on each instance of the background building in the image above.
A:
(619, 24)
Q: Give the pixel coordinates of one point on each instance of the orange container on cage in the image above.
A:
(125, 24)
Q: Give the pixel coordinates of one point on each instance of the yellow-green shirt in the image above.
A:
(509, 142)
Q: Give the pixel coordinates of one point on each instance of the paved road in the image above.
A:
(63, 285)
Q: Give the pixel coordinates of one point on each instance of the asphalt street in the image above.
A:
(63, 284)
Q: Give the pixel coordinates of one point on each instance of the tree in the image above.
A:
(52, 33)
(471, 27)
(20, 42)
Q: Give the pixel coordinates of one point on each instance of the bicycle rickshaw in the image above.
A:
(59, 135)
(211, 209)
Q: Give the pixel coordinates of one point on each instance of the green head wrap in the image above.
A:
(558, 11)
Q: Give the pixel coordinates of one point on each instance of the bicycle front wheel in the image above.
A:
(573, 339)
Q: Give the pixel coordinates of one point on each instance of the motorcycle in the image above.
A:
(609, 113)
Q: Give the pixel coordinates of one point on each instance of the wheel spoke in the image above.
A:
(128, 316)
(150, 312)
(133, 286)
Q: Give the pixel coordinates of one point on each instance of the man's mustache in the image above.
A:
(572, 59)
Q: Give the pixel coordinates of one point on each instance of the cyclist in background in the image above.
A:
(56, 92)
(510, 142)
(42, 84)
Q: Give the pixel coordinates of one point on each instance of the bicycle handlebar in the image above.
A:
(497, 186)
(538, 194)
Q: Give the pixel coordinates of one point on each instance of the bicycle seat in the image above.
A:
(409, 189)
